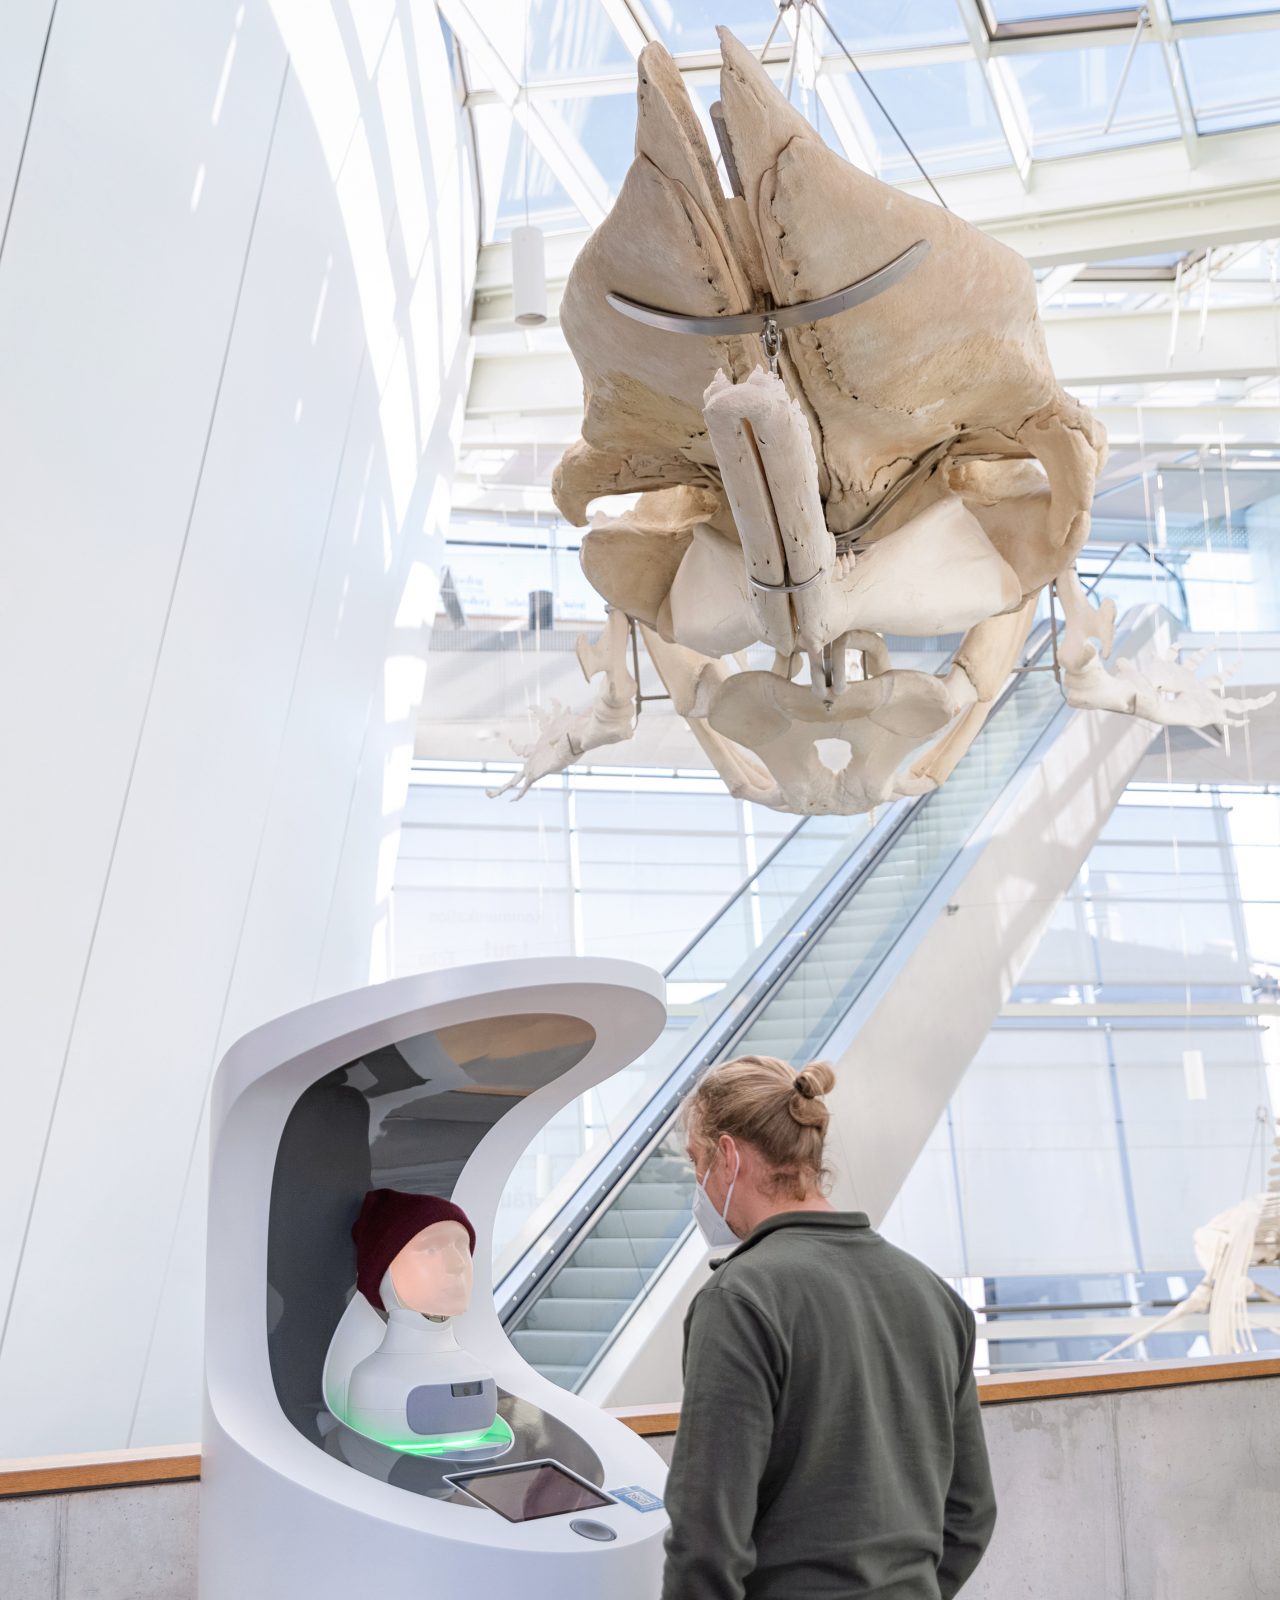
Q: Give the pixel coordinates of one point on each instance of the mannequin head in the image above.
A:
(432, 1273)
(418, 1246)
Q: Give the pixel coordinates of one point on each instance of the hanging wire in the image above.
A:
(528, 109)
(791, 65)
(807, 93)
(1177, 307)
(1124, 71)
(1204, 297)
(777, 23)
(1258, 1141)
(799, 7)
(1155, 526)
(1228, 540)
(862, 78)
(817, 74)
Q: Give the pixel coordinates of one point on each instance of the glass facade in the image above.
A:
(1126, 1095)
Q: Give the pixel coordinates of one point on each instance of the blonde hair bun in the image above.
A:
(805, 1099)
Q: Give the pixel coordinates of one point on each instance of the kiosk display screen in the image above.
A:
(521, 1494)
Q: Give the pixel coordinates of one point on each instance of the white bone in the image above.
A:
(1167, 692)
(565, 736)
(761, 441)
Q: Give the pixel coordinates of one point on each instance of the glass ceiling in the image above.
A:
(1040, 88)
(1055, 78)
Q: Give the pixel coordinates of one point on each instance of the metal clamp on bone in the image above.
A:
(768, 325)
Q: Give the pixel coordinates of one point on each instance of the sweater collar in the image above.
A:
(843, 1221)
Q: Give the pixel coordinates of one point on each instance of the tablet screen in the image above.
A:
(520, 1494)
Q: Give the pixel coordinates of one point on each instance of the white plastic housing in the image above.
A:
(279, 1515)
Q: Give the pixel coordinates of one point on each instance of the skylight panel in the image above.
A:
(866, 26)
(1068, 95)
(605, 126)
(946, 114)
(1234, 79)
(1164, 258)
(690, 25)
(501, 159)
(1085, 12)
(1191, 10)
(571, 39)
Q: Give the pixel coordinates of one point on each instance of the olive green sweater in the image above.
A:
(830, 1444)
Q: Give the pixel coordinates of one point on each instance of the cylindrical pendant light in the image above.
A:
(529, 275)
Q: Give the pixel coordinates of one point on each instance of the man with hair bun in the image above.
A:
(830, 1443)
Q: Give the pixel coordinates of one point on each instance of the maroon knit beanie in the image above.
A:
(388, 1220)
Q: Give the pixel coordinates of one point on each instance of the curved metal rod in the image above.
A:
(855, 294)
(785, 588)
(845, 541)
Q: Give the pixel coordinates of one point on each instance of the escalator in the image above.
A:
(831, 908)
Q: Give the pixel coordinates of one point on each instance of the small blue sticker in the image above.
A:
(637, 1498)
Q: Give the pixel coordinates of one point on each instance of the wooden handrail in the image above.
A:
(113, 1469)
(1124, 1376)
(106, 1469)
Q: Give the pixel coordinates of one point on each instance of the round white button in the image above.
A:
(599, 1531)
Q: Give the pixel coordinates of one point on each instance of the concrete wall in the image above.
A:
(101, 1544)
(1156, 1494)
(234, 289)
(1166, 1494)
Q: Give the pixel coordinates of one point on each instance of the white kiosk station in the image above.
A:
(404, 1107)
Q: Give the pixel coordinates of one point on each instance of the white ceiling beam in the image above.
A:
(631, 22)
(1083, 208)
(1117, 347)
(508, 430)
(493, 314)
(1162, 26)
(1107, 348)
(474, 494)
(1172, 427)
(531, 385)
(544, 127)
(493, 267)
(1130, 202)
(1055, 279)
(1162, 427)
(1001, 88)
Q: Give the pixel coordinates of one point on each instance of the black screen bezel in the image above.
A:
(463, 1481)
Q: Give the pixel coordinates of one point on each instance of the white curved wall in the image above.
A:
(234, 297)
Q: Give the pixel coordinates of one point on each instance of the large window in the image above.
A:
(1126, 1095)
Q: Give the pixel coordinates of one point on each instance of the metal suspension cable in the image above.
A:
(865, 82)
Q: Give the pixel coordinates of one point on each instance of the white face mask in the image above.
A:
(713, 1225)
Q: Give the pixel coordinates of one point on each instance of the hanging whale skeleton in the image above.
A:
(819, 463)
